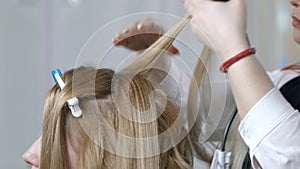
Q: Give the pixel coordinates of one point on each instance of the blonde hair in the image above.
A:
(89, 135)
(205, 150)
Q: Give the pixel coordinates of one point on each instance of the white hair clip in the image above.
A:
(73, 103)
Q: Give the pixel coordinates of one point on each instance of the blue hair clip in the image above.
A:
(57, 76)
(72, 103)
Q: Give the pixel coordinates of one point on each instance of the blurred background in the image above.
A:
(37, 36)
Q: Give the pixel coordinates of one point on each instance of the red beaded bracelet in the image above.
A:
(224, 67)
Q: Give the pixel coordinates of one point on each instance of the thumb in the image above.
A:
(173, 50)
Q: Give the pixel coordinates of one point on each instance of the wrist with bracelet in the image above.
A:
(247, 52)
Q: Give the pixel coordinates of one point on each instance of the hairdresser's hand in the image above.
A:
(141, 35)
(220, 25)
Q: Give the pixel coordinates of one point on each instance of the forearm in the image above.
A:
(248, 79)
(249, 83)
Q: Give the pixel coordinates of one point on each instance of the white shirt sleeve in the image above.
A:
(271, 129)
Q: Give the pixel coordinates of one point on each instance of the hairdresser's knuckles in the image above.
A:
(188, 6)
(140, 35)
(219, 25)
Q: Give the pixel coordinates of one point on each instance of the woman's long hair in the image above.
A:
(95, 137)
(204, 151)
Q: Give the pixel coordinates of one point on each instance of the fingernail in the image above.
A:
(113, 40)
(139, 26)
(125, 30)
(117, 35)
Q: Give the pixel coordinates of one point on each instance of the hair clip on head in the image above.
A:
(73, 103)
(74, 106)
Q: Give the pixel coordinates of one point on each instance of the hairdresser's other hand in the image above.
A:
(141, 35)
(220, 25)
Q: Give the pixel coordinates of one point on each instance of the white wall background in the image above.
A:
(37, 36)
